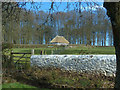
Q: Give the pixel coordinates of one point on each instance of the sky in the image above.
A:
(58, 6)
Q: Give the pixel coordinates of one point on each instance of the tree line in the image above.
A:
(90, 27)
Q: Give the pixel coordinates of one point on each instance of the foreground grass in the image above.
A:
(57, 78)
(51, 77)
(16, 85)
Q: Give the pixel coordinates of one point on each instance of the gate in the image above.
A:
(21, 60)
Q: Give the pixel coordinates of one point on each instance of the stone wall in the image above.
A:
(105, 64)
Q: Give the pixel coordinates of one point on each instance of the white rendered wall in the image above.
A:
(105, 64)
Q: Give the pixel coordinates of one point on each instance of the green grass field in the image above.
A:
(74, 50)
(79, 50)
(89, 50)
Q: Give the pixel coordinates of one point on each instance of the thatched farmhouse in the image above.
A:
(59, 40)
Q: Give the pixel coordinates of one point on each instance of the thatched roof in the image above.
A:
(59, 39)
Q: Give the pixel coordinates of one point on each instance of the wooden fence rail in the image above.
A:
(23, 57)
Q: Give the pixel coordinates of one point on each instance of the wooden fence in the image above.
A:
(22, 59)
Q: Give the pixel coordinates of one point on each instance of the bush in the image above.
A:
(6, 45)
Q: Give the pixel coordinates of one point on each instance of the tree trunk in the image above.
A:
(116, 32)
(113, 11)
(98, 39)
(117, 80)
(93, 39)
(105, 39)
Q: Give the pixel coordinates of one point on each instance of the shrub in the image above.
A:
(6, 45)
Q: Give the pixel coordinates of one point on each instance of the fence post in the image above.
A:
(42, 52)
(11, 59)
(32, 51)
(11, 56)
(45, 53)
(52, 52)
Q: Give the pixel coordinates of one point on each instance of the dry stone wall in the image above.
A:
(105, 64)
